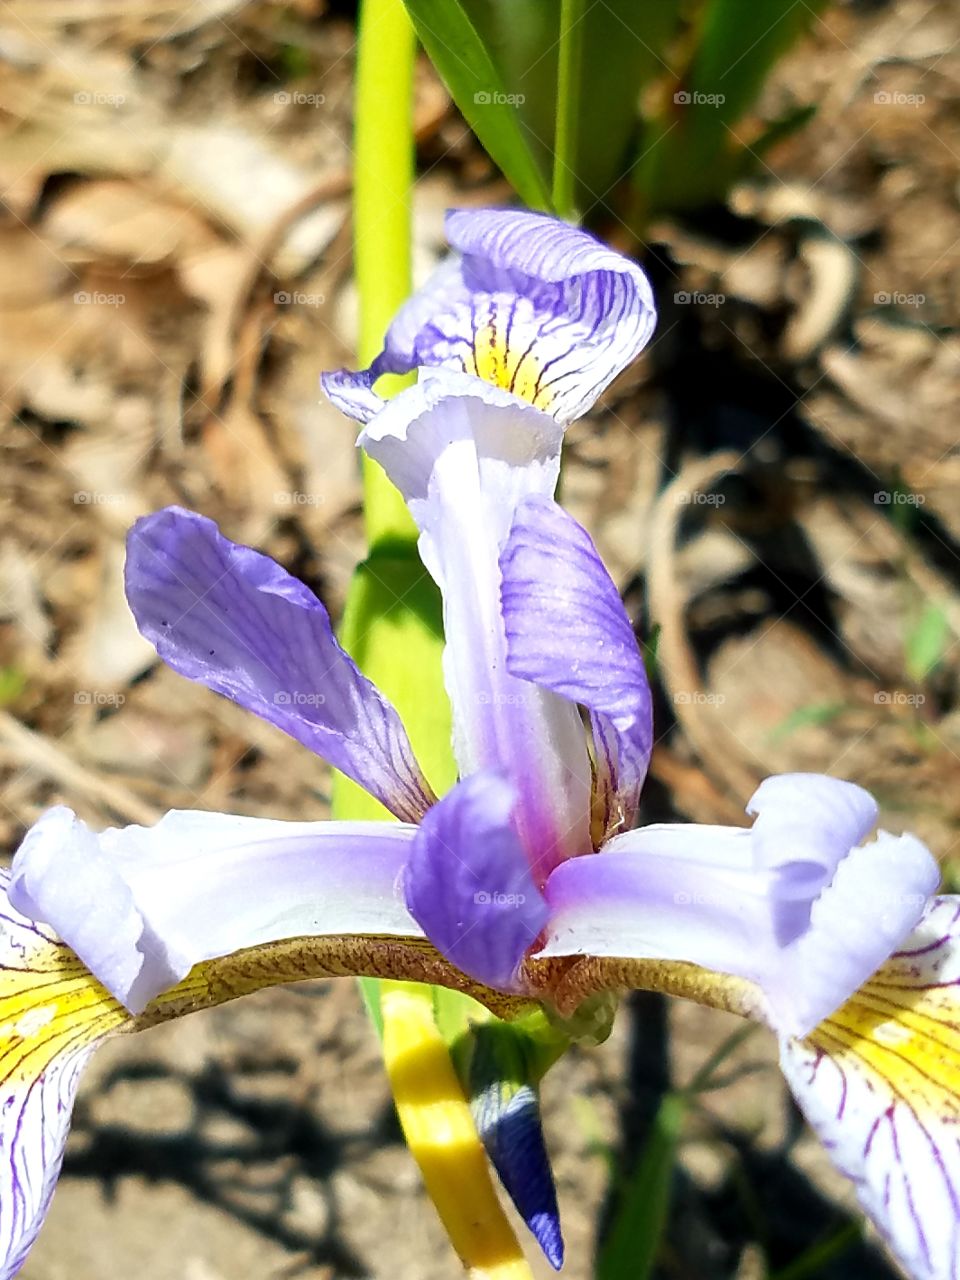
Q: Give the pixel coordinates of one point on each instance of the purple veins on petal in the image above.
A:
(529, 304)
(567, 631)
(468, 883)
(232, 619)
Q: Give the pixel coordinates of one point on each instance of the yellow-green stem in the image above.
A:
(383, 182)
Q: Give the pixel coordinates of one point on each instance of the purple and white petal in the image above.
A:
(879, 1083)
(234, 620)
(465, 455)
(529, 304)
(353, 392)
(704, 895)
(468, 883)
(567, 630)
(50, 1024)
(141, 906)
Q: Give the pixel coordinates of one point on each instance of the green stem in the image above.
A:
(569, 81)
(383, 180)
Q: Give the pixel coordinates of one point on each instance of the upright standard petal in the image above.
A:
(469, 885)
(234, 620)
(53, 1014)
(465, 455)
(704, 895)
(567, 630)
(142, 905)
(879, 1081)
(531, 305)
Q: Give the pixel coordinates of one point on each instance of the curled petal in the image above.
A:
(809, 821)
(529, 304)
(879, 1082)
(142, 905)
(468, 883)
(695, 894)
(464, 456)
(567, 630)
(53, 1014)
(234, 620)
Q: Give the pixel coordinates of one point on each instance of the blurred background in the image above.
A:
(775, 486)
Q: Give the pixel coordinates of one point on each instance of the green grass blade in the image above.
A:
(634, 1240)
(463, 60)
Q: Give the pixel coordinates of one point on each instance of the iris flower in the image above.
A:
(527, 883)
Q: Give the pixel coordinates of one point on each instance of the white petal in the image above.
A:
(879, 1080)
(142, 905)
(465, 455)
(52, 1016)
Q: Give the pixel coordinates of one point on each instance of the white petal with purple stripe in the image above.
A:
(531, 305)
(879, 1081)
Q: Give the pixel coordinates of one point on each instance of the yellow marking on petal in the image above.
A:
(54, 1006)
(512, 367)
(440, 1133)
(906, 1036)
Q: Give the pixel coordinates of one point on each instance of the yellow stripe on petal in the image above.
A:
(879, 1080)
(53, 1013)
(504, 350)
(440, 1132)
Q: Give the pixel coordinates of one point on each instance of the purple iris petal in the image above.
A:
(567, 630)
(234, 620)
(702, 894)
(468, 883)
(533, 305)
(141, 905)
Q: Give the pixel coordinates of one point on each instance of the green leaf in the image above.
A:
(463, 60)
(695, 146)
(634, 1240)
(926, 643)
(625, 46)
